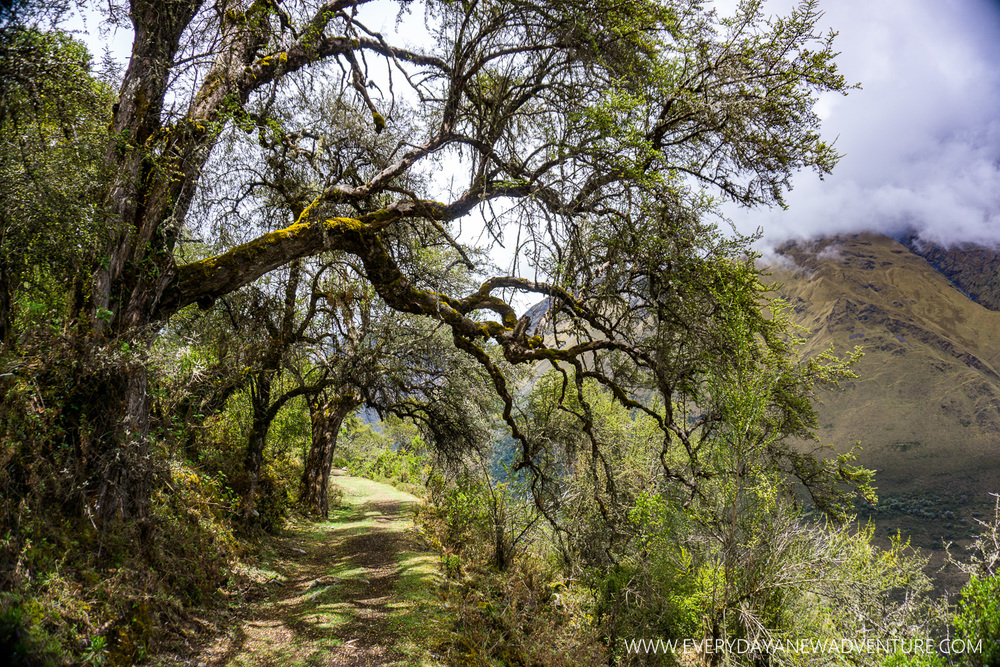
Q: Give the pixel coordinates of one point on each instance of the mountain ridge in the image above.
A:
(973, 269)
(926, 407)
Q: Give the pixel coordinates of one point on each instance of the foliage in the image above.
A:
(395, 453)
(22, 638)
(53, 118)
(111, 597)
(513, 604)
(648, 484)
(53, 115)
(732, 559)
(598, 127)
(977, 616)
(977, 619)
(221, 456)
(900, 659)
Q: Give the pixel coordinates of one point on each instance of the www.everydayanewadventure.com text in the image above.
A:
(926, 645)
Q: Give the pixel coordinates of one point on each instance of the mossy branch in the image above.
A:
(204, 281)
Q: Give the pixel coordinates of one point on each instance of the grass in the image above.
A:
(360, 588)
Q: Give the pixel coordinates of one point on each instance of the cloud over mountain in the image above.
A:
(921, 139)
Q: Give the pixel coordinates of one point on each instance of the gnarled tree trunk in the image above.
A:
(326, 417)
(257, 439)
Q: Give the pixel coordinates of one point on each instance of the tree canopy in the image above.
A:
(593, 139)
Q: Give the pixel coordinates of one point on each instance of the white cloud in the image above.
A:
(921, 138)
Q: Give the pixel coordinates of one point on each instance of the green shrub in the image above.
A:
(395, 453)
(23, 637)
(910, 660)
(978, 620)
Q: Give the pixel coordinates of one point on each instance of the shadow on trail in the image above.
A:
(334, 604)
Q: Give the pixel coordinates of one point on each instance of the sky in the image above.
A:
(920, 138)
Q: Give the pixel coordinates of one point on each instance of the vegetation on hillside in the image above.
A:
(245, 264)
(925, 406)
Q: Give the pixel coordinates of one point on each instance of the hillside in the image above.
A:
(973, 269)
(926, 408)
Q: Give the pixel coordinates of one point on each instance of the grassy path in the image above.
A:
(354, 591)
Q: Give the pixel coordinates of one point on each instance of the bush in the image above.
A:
(910, 660)
(79, 595)
(977, 617)
(396, 454)
(523, 614)
(978, 620)
(221, 457)
(23, 637)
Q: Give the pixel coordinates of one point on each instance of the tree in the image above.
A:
(285, 326)
(321, 320)
(399, 366)
(52, 118)
(585, 129)
(976, 619)
(732, 559)
(53, 114)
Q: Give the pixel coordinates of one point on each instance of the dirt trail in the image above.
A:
(355, 591)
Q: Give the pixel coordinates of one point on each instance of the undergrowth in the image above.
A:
(77, 594)
(395, 454)
(526, 613)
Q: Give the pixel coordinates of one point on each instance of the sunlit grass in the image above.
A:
(317, 601)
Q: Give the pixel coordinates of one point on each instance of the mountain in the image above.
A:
(926, 406)
(973, 269)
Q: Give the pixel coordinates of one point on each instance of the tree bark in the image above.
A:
(126, 471)
(326, 418)
(139, 200)
(7, 291)
(124, 289)
(257, 440)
